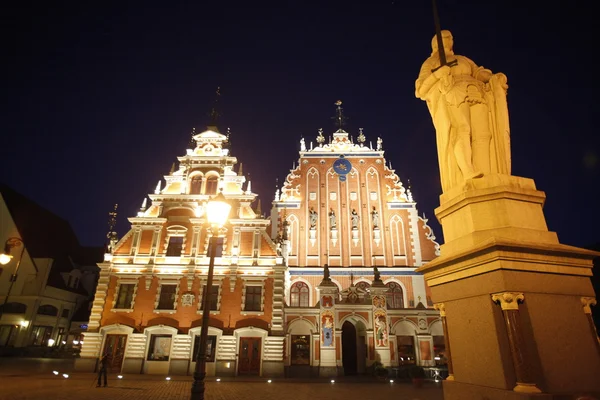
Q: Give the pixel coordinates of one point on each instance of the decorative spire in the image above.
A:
(259, 208)
(276, 189)
(214, 114)
(408, 192)
(157, 190)
(172, 169)
(249, 187)
(241, 170)
(192, 141)
(361, 137)
(111, 236)
(340, 119)
(142, 208)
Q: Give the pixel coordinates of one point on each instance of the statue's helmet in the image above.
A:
(446, 38)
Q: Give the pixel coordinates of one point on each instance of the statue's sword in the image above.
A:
(438, 34)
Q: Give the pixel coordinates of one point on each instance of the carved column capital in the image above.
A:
(508, 300)
(587, 302)
(441, 307)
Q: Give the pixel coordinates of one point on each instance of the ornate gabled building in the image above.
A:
(324, 286)
(147, 311)
(343, 208)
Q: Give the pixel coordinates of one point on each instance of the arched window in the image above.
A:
(395, 296)
(48, 309)
(13, 308)
(299, 295)
(363, 285)
(212, 183)
(196, 184)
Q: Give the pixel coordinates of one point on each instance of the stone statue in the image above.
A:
(313, 218)
(326, 276)
(379, 144)
(468, 107)
(375, 218)
(376, 275)
(302, 144)
(355, 217)
(332, 221)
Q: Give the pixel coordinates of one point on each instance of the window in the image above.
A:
(8, 333)
(300, 350)
(211, 347)
(160, 348)
(166, 300)
(214, 298)
(406, 350)
(48, 309)
(13, 308)
(65, 313)
(125, 296)
(40, 335)
(196, 185)
(363, 285)
(175, 246)
(299, 295)
(212, 183)
(253, 298)
(395, 297)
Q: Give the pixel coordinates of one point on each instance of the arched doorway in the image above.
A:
(349, 348)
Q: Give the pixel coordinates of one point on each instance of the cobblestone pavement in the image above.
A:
(30, 383)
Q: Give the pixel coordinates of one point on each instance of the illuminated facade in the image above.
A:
(343, 207)
(274, 310)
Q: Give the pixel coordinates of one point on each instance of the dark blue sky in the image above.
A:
(100, 97)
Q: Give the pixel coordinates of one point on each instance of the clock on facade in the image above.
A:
(342, 167)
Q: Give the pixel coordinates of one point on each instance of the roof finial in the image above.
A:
(259, 208)
(361, 136)
(111, 236)
(214, 114)
(320, 138)
(339, 115)
(157, 190)
(192, 141)
(172, 169)
(241, 170)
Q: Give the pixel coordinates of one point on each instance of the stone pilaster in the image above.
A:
(509, 301)
(441, 307)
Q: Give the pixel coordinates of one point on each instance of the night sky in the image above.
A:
(100, 97)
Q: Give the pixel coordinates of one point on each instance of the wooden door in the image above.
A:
(249, 356)
(114, 346)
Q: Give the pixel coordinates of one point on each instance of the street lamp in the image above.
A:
(217, 211)
(5, 258)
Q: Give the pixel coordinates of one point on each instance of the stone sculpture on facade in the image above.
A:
(468, 107)
(313, 218)
(355, 218)
(375, 218)
(332, 221)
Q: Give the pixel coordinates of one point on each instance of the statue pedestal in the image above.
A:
(514, 301)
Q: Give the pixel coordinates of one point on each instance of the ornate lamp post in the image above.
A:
(217, 211)
(5, 258)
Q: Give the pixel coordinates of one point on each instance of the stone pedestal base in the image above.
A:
(512, 296)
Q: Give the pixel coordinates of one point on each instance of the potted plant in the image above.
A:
(379, 371)
(417, 375)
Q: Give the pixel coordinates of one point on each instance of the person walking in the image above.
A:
(102, 370)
